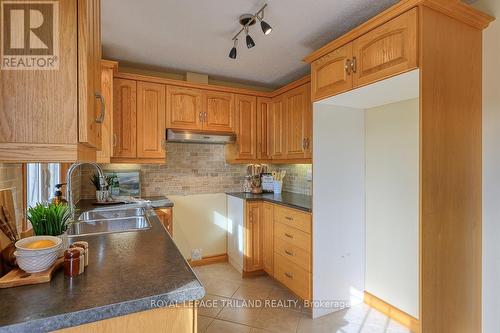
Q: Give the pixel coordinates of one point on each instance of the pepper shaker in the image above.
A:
(72, 262)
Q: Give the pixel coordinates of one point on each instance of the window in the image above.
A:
(41, 179)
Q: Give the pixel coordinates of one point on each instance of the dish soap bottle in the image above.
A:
(58, 195)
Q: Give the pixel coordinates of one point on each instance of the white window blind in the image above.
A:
(41, 179)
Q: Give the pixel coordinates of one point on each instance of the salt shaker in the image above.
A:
(85, 246)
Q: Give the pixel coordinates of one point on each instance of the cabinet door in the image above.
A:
(263, 128)
(253, 237)
(184, 108)
(331, 74)
(89, 109)
(268, 238)
(150, 120)
(246, 130)
(277, 133)
(125, 118)
(387, 50)
(219, 111)
(297, 120)
(166, 219)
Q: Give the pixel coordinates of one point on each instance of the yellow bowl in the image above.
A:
(23, 245)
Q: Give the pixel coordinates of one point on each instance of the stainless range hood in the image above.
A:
(197, 137)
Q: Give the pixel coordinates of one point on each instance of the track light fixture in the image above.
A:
(247, 20)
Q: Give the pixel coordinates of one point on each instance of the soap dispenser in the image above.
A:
(58, 195)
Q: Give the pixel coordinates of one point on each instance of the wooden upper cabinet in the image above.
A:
(125, 118)
(245, 127)
(331, 74)
(253, 225)
(277, 133)
(184, 108)
(150, 120)
(107, 72)
(297, 122)
(218, 111)
(263, 128)
(91, 108)
(387, 50)
(268, 238)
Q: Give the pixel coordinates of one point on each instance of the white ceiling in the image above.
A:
(195, 35)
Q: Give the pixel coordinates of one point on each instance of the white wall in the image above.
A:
(392, 204)
(200, 221)
(491, 169)
(338, 206)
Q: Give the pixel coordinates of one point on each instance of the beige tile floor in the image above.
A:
(223, 309)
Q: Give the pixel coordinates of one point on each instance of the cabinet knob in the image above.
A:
(288, 275)
(354, 65)
(289, 253)
(288, 235)
(289, 218)
(347, 66)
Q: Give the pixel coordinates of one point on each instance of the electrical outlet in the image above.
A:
(309, 175)
(195, 254)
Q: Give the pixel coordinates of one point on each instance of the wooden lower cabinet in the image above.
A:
(293, 276)
(166, 218)
(178, 319)
(281, 250)
(268, 238)
(253, 231)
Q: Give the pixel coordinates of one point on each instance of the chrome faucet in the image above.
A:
(102, 182)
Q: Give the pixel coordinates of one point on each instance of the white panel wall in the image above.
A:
(491, 169)
(200, 221)
(392, 204)
(235, 223)
(338, 206)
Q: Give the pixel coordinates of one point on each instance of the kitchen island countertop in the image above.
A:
(128, 272)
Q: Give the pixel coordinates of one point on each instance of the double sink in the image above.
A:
(110, 221)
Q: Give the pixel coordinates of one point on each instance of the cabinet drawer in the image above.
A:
(292, 276)
(293, 253)
(293, 236)
(293, 218)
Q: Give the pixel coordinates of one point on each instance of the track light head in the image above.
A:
(232, 53)
(250, 42)
(266, 28)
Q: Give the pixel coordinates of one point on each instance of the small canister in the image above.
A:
(85, 246)
(72, 262)
(82, 256)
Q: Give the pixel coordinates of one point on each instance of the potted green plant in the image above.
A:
(102, 194)
(51, 220)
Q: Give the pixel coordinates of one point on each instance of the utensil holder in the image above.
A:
(277, 186)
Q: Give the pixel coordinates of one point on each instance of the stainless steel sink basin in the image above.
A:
(93, 215)
(109, 226)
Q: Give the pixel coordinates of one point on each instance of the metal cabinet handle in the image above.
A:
(201, 117)
(354, 65)
(289, 218)
(288, 235)
(114, 139)
(288, 275)
(204, 117)
(289, 253)
(347, 66)
(100, 119)
(304, 143)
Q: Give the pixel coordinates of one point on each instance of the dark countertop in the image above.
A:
(289, 199)
(127, 272)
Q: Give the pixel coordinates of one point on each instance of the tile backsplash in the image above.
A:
(195, 169)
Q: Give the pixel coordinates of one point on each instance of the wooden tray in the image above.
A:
(17, 277)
